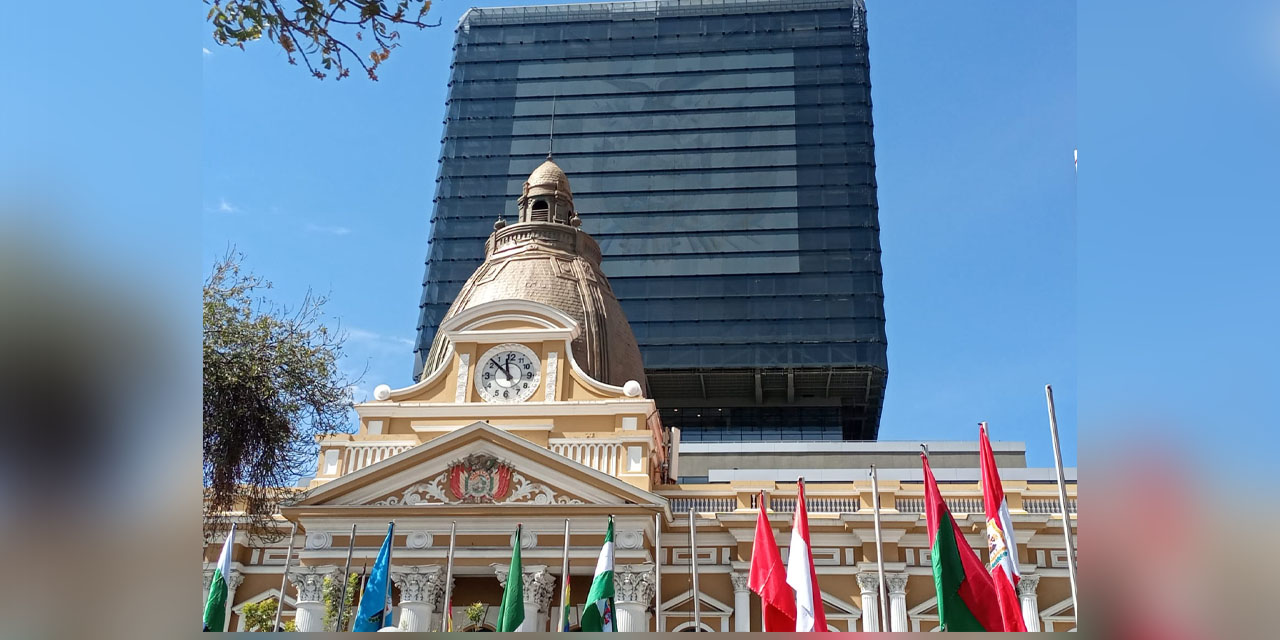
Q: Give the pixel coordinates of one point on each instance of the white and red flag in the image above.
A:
(800, 573)
(768, 577)
(1003, 562)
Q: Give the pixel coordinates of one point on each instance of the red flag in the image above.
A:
(1003, 564)
(966, 596)
(800, 572)
(769, 578)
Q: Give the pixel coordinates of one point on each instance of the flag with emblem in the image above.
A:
(598, 612)
(966, 597)
(1003, 562)
(373, 613)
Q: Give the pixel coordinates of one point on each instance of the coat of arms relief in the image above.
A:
(479, 478)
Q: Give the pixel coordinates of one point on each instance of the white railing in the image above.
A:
(955, 505)
(815, 505)
(362, 454)
(703, 505)
(1047, 505)
(605, 456)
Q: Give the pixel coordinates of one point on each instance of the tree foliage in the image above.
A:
(272, 386)
(259, 616)
(333, 591)
(319, 31)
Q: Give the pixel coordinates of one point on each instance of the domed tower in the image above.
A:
(544, 257)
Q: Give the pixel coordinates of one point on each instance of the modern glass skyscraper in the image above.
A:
(721, 152)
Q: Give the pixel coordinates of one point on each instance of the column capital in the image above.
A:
(741, 581)
(1027, 585)
(233, 580)
(870, 582)
(309, 581)
(538, 584)
(418, 583)
(634, 583)
(897, 583)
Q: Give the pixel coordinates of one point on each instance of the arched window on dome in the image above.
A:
(539, 211)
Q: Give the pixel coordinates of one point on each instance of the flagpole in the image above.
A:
(346, 569)
(875, 511)
(564, 582)
(693, 567)
(284, 579)
(657, 571)
(391, 547)
(1062, 498)
(448, 579)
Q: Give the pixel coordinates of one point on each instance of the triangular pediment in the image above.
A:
(477, 465)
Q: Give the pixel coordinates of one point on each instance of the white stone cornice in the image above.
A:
(309, 581)
(418, 583)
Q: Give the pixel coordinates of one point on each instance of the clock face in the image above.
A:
(508, 373)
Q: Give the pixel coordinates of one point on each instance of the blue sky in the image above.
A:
(328, 185)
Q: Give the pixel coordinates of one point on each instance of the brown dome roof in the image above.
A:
(557, 265)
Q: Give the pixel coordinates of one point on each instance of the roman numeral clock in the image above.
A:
(508, 373)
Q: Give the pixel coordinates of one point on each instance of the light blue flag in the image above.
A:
(373, 613)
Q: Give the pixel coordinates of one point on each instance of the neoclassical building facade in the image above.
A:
(532, 409)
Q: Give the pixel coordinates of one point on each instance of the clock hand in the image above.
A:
(502, 367)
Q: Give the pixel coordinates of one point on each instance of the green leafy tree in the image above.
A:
(259, 616)
(320, 31)
(475, 613)
(333, 591)
(272, 387)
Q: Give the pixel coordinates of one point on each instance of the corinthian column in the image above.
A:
(897, 583)
(420, 587)
(633, 591)
(869, 583)
(309, 581)
(1030, 603)
(538, 587)
(741, 601)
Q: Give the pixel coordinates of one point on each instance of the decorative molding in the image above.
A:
(319, 540)
(630, 540)
(479, 479)
(538, 584)
(553, 363)
(309, 581)
(464, 364)
(897, 583)
(634, 583)
(1027, 585)
(419, 540)
(528, 539)
(740, 580)
(870, 582)
(419, 583)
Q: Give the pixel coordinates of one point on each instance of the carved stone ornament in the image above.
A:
(479, 479)
(309, 581)
(1027, 585)
(740, 580)
(538, 584)
(897, 582)
(870, 582)
(418, 584)
(633, 585)
(319, 540)
(418, 540)
(630, 540)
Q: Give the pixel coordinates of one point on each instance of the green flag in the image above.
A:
(511, 615)
(598, 612)
(215, 608)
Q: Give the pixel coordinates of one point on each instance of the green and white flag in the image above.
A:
(215, 608)
(598, 612)
(511, 615)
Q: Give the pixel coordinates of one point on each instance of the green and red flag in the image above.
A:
(1003, 563)
(966, 595)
